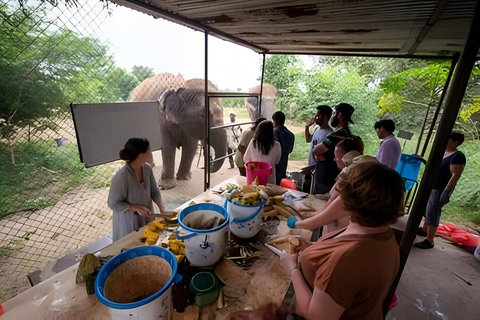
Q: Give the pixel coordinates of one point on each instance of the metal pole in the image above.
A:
(206, 144)
(437, 111)
(427, 113)
(261, 87)
(453, 103)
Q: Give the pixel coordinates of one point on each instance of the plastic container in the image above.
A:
(203, 247)
(287, 183)
(262, 171)
(204, 286)
(245, 221)
(476, 253)
(157, 306)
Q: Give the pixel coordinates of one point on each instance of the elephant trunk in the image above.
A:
(218, 141)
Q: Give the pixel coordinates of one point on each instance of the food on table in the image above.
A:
(137, 279)
(249, 195)
(152, 231)
(289, 243)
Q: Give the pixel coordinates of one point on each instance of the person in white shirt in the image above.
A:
(263, 147)
(321, 118)
(390, 151)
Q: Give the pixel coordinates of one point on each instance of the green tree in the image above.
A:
(286, 74)
(142, 72)
(44, 68)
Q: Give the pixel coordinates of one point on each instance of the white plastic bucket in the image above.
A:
(476, 253)
(245, 221)
(204, 247)
(156, 306)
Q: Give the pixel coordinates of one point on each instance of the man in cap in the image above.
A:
(326, 169)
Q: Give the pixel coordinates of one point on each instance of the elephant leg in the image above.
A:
(189, 149)
(167, 180)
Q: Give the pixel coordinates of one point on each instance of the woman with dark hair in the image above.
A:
(346, 274)
(451, 169)
(133, 188)
(263, 147)
(333, 216)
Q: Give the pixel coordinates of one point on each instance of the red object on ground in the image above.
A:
(460, 236)
(1, 309)
(289, 184)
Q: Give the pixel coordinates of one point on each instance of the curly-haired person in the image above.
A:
(347, 274)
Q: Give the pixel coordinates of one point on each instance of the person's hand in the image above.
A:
(306, 170)
(323, 197)
(310, 122)
(304, 244)
(445, 197)
(289, 261)
(141, 210)
(291, 221)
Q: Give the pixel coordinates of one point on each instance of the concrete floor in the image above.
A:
(439, 283)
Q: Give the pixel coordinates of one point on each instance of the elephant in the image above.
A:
(269, 97)
(182, 109)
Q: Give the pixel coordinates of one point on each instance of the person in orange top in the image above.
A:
(347, 274)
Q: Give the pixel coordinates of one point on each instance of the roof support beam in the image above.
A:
(453, 102)
(159, 12)
(433, 19)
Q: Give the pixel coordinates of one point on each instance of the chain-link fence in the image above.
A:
(50, 204)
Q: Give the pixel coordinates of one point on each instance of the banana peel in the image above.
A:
(287, 211)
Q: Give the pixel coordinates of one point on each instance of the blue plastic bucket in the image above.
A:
(157, 305)
(203, 247)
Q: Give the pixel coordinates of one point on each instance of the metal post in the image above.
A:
(426, 114)
(206, 144)
(261, 87)
(453, 102)
(440, 102)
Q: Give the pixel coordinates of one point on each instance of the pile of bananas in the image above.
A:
(250, 195)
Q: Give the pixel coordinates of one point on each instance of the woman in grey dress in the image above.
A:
(133, 188)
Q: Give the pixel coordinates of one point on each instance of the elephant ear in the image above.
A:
(169, 105)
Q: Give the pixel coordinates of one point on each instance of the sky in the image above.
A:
(139, 39)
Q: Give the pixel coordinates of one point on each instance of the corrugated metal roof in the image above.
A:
(373, 27)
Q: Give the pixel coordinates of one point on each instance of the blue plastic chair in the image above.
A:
(408, 168)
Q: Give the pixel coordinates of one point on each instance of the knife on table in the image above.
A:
(273, 249)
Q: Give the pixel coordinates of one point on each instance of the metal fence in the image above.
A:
(50, 204)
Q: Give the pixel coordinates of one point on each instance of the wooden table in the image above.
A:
(263, 282)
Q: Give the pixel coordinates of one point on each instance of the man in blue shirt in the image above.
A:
(286, 139)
